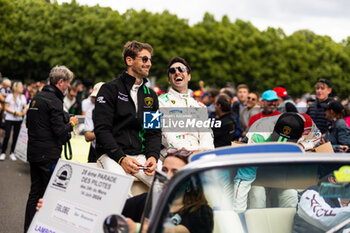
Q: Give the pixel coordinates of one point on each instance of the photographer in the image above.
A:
(48, 130)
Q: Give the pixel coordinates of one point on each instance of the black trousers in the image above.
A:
(92, 155)
(8, 126)
(40, 174)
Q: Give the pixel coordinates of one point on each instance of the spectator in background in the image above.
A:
(89, 124)
(339, 133)
(316, 111)
(213, 93)
(285, 102)
(79, 98)
(198, 95)
(88, 103)
(239, 130)
(15, 109)
(249, 110)
(5, 88)
(242, 95)
(70, 100)
(269, 101)
(347, 115)
(302, 104)
(224, 135)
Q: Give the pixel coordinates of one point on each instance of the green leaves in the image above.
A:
(36, 35)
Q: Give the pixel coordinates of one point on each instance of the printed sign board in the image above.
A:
(80, 198)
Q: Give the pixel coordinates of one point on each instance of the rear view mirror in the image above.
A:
(115, 224)
(330, 190)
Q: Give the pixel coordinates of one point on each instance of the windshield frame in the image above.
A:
(233, 160)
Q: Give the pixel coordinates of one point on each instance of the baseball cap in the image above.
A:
(336, 106)
(289, 128)
(280, 91)
(269, 95)
(96, 89)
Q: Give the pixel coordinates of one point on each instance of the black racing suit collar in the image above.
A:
(55, 90)
(129, 80)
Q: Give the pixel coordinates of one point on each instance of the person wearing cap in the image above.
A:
(339, 133)
(316, 111)
(123, 145)
(270, 101)
(88, 103)
(285, 103)
(287, 127)
(317, 213)
(89, 124)
(179, 74)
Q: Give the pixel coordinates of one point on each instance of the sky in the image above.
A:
(324, 17)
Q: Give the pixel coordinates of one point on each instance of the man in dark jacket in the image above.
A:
(123, 145)
(48, 130)
(316, 111)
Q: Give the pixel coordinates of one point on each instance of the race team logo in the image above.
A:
(286, 130)
(151, 120)
(33, 103)
(63, 176)
(149, 101)
(172, 101)
(101, 100)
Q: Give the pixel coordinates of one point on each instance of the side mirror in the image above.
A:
(115, 223)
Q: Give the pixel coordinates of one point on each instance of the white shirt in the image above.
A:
(86, 104)
(188, 140)
(68, 103)
(15, 106)
(133, 94)
(89, 124)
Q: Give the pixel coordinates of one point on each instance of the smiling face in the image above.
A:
(137, 67)
(252, 100)
(270, 106)
(179, 80)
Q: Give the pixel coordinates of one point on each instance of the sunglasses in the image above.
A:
(250, 98)
(181, 69)
(145, 59)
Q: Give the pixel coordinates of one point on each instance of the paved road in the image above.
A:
(14, 190)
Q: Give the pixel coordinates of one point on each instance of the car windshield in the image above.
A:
(281, 198)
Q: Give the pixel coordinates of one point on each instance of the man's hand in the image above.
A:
(343, 148)
(151, 165)
(130, 165)
(74, 119)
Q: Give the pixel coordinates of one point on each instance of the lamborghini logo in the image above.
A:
(287, 130)
(149, 101)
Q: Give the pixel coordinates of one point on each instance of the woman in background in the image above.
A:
(15, 109)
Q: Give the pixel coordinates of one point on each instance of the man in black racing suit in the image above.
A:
(123, 145)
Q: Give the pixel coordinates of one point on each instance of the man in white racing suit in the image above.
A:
(178, 102)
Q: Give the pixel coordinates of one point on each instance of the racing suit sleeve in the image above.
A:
(103, 122)
(153, 137)
(314, 210)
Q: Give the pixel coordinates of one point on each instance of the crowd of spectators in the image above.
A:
(246, 107)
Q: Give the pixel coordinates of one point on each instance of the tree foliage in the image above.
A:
(38, 34)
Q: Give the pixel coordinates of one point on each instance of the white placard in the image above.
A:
(79, 198)
(22, 141)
